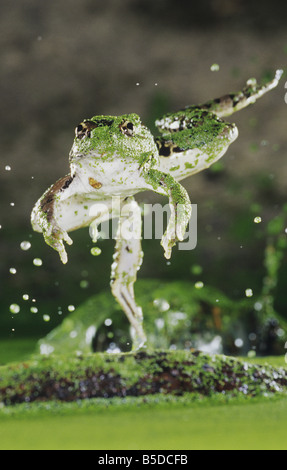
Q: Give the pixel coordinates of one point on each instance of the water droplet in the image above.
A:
(25, 297)
(71, 308)
(238, 342)
(258, 306)
(248, 292)
(161, 304)
(37, 262)
(8, 168)
(46, 318)
(159, 323)
(137, 84)
(33, 310)
(252, 336)
(12, 204)
(284, 230)
(14, 308)
(196, 269)
(257, 220)
(199, 285)
(12, 270)
(25, 245)
(108, 322)
(96, 251)
(84, 284)
(214, 68)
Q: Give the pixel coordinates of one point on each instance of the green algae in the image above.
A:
(71, 378)
(107, 141)
(202, 128)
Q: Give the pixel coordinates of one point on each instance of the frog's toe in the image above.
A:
(63, 254)
(56, 240)
(59, 246)
(167, 245)
(67, 239)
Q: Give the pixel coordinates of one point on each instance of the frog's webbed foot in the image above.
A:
(233, 102)
(53, 234)
(176, 228)
(55, 237)
(127, 260)
(180, 207)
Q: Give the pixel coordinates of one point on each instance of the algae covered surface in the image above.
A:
(143, 401)
(72, 378)
(172, 400)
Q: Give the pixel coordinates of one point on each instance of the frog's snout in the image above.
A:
(230, 132)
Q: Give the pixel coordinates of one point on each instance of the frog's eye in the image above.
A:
(84, 129)
(127, 128)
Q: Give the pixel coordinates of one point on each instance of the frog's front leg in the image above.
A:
(127, 260)
(65, 207)
(233, 102)
(164, 183)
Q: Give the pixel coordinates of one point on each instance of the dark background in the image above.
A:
(65, 60)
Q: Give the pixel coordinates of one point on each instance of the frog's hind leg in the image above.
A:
(127, 261)
(229, 104)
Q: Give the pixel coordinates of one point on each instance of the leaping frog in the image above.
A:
(117, 156)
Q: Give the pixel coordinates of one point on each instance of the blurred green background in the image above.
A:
(64, 61)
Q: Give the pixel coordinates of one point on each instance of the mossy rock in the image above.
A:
(70, 378)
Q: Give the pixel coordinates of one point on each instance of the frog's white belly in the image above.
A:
(112, 177)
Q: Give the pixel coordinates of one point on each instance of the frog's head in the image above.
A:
(109, 136)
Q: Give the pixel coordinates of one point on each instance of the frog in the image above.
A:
(115, 158)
